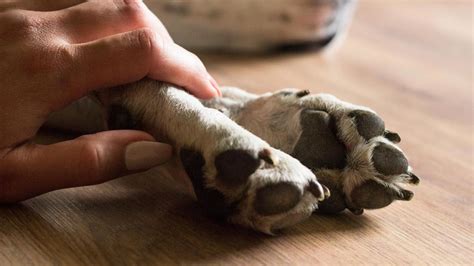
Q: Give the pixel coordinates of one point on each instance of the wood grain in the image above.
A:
(412, 61)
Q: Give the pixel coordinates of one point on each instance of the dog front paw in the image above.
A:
(373, 167)
(264, 189)
(354, 155)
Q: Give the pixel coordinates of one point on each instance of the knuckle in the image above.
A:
(64, 71)
(90, 162)
(132, 9)
(65, 57)
(146, 40)
(54, 64)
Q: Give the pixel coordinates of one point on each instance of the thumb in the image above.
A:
(30, 170)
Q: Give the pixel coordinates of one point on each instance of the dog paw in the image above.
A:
(354, 155)
(264, 188)
(345, 145)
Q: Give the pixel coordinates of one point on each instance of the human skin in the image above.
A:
(53, 53)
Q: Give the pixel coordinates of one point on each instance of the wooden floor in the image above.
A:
(412, 61)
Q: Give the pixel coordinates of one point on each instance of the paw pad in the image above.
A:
(234, 167)
(318, 146)
(212, 200)
(353, 146)
(369, 125)
(267, 191)
(372, 195)
(388, 160)
(277, 198)
(336, 202)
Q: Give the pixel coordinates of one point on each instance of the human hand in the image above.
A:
(54, 52)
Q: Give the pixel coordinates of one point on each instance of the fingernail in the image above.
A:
(143, 155)
(215, 85)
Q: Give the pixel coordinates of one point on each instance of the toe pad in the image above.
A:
(388, 160)
(234, 167)
(277, 198)
(369, 125)
(372, 195)
(318, 146)
(212, 200)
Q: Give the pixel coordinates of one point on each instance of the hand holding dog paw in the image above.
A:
(54, 52)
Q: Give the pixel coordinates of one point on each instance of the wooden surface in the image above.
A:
(409, 60)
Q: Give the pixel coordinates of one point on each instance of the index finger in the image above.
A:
(131, 56)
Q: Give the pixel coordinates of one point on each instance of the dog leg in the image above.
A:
(236, 175)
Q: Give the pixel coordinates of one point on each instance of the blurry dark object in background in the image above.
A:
(254, 25)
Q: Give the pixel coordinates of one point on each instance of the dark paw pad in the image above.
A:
(318, 146)
(334, 204)
(277, 198)
(212, 200)
(234, 167)
(372, 195)
(369, 125)
(388, 160)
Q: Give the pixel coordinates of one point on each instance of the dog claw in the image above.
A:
(268, 157)
(392, 136)
(405, 195)
(415, 180)
(319, 191)
(302, 93)
(327, 192)
(357, 211)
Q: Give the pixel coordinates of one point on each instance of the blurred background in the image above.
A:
(253, 25)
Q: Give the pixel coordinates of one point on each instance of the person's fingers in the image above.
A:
(39, 5)
(111, 61)
(31, 170)
(179, 66)
(128, 57)
(185, 68)
(94, 20)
